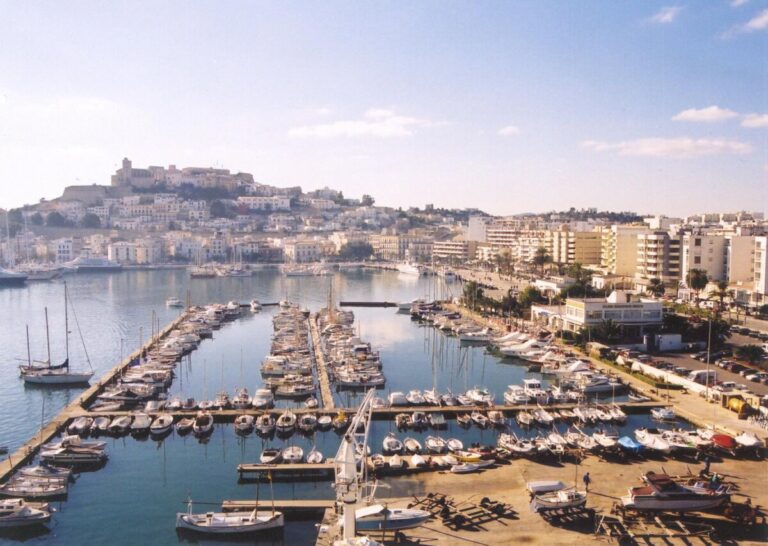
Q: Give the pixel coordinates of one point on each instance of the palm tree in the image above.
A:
(541, 257)
(655, 287)
(721, 293)
(697, 280)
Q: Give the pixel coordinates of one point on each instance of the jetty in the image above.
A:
(277, 472)
(326, 395)
(288, 505)
(26, 452)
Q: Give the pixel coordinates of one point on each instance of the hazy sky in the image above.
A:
(507, 106)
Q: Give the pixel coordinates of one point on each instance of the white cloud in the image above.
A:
(509, 130)
(754, 121)
(758, 22)
(676, 148)
(738, 3)
(376, 122)
(666, 15)
(706, 115)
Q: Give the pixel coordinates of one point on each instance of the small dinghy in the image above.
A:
(635, 397)
(465, 468)
(293, 455)
(524, 418)
(120, 425)
(748, 440)
(417, 461)
(412, 445)
(391, 444)
(162, 424)
(184, 426)
(315, 457)
(311, 403)
(396, 462)
(244, 424)
(558, 500)
(453, 444)
(324, 422)
(340, 421)
(435, 444)
(271, 455)
(496, 418)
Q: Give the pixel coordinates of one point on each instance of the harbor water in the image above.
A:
(134, 498)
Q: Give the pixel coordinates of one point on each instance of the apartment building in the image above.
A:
(761, 268)
(457, 250)
(268, 203)
(658, 256)
(571, 247)
(618, 254)
(705, 252)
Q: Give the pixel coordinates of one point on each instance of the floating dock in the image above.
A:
(286, 472)
(318, 505)
(326, 394)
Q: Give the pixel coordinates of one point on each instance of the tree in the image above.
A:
(529, 296)
(55, 219)
(504, 260)
(655, 287)
(721, 293)
(763, 309)
(510, 305)
(750, 353)
(356, 251)
(541, 257)
(90, 221)
(473, 294)
(218, 209)
(367, 201)
(608, 331)
(697, 280)
(36, 219)
(676, 324)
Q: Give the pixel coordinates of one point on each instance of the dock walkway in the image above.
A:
(326, 394)
(76, 408)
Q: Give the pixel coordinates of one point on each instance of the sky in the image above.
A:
(524, 106)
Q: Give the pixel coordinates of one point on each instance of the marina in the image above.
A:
(415, 356)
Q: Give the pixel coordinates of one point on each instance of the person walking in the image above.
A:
(707, 462)
(587, 480)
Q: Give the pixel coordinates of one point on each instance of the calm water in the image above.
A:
(134, 498)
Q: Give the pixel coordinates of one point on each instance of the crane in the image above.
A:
(349, 479)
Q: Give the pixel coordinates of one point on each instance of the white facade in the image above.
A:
(705, 252)
(260, 202)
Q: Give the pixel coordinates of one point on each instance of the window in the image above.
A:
(697, 259)
(697, 242)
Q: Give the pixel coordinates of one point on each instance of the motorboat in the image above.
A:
(415, 398)
(203, 424)
(312, 403)
(307, 422)
(748, 440)
(437, 420)
(263, 398)
(244, 424)
(465, 468)
(449, 399)
(497, 418)
(432, 397)
(419, 420)
(34, 488)
(605, 439)
(162, 424)
(391, 444)
(293, 455)
(397, 398)
(46, 471)
(663, 414)
(524, 418)
(662, 493)
(184, 426)
(558, 500)
(286, 422)
(120, 425)
(255, 306)
(242, 399)
(636, 397)
(480, 395)
(412, 445)
(379, 517)
(464, 419)
(100, 425)
(73, 456)
(80, 426)
(515, 395)
(230, 523)
(141, 424)
(271, 455)
(174, 302)
(480, 419)
(265, 424)
(222, 400)
(15, 513)
(543, 417)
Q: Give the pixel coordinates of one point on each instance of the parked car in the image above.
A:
(743, 388)
(756, 377)
(738, 368)
(679, 370)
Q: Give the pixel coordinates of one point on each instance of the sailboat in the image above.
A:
(59, 374)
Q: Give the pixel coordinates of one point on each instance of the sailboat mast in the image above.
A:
(29, 353)
(47, 337)
(66, 321)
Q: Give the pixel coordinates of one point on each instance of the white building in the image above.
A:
(705, 252)
(261, 202)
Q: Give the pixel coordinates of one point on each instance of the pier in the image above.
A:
(326, 395)
(75, 409)
(277, 472)
(288, 505)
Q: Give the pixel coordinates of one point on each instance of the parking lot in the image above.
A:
(687, 361)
